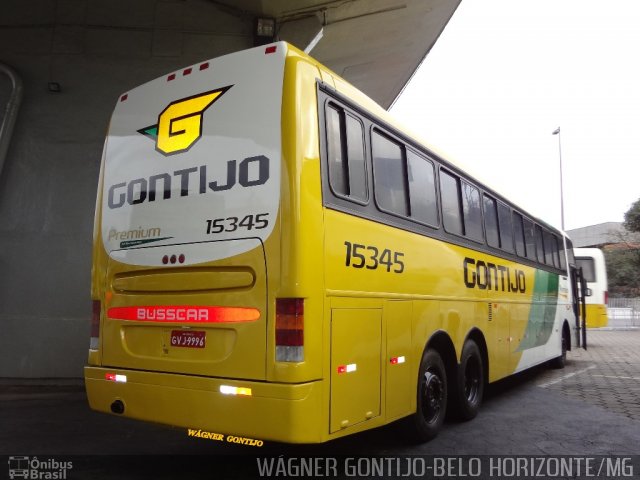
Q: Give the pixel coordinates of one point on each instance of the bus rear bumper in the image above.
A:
(273, 411)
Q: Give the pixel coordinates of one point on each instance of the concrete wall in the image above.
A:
(95, 50)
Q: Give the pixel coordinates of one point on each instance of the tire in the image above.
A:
(432, 393)
(470, 381)
(561, 361)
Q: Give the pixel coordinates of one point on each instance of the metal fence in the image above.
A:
(624, 312)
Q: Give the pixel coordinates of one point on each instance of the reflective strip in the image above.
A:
(114, 377)
(229, 390)
(352, 367)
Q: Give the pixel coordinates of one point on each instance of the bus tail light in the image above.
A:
(606, 298)
(95, 325)
(289, 330)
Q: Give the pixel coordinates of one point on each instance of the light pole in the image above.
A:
(557, 132)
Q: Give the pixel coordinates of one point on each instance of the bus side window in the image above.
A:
(572, 259)
(563, 263)
(422, 189)
(491, 221)
(518, 234)
(471, 212)
(549, 251)
(539, 244)
(451, 212)
(529, 239)
(504, 222)
(389, 175)
(345, 149)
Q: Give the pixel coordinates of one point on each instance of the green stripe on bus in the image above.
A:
(543, 310)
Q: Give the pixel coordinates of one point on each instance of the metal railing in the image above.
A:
(624, 312)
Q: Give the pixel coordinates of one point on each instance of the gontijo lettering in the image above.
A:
(490, 276)
(252, 171)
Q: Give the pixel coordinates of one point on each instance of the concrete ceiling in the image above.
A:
(375, 44)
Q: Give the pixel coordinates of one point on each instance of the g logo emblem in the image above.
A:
(180, 123)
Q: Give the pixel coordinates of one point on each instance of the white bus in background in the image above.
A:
(591, 260)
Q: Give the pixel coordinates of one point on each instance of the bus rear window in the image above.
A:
(588, 268)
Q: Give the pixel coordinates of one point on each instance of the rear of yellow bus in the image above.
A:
(204, 304)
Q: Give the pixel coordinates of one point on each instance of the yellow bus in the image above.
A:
(594, 270)
(274, 258)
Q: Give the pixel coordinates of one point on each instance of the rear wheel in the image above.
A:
(470, 381)
(431, 397)
(561, 361)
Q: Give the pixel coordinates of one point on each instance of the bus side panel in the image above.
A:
(301, 220)
(399, 379)
(356, 346)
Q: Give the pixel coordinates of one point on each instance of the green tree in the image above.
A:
(623, 264)
(623, 272)
(632, 217)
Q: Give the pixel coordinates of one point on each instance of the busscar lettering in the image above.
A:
(489, 276)
(250, 172)
(179, 314)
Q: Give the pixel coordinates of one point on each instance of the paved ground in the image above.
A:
(588, 408)
(607, 374)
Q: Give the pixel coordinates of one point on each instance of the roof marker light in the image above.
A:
(171, 77)
(204, 66)
(187, 71)
(124, 97)
(229, 390)
(271, 49)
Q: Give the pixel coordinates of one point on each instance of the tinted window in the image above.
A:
(556, 246)
(518, 234)
(471, 212)
(539, 244)
(355, 154)
(422, 189)
(491, 221)
(563, 263)
(345, 151)
(588, 268)
(550, 248)
(529, 239)
(389, 175)
(450, 193)
(504, 222)
(572, 260)
(337, 162)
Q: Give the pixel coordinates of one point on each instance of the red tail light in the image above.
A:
(289, 329)
(606, 297)
(95, 325)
